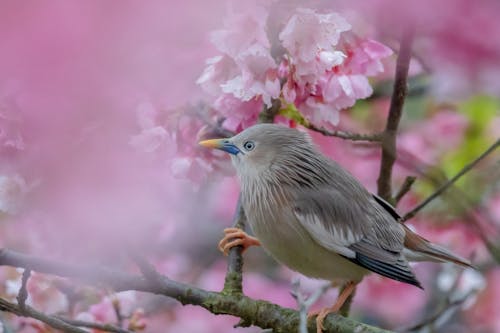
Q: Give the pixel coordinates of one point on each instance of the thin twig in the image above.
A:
(233, 282)
(405, 188)
(28, 311)
(118, 312)
(22, 295)
(96, 326)
(268, 113)
(58, 322)
(304, 304)
(450, 182)
(147, 270)
(447, 307)
(397, 101)
(376, 137)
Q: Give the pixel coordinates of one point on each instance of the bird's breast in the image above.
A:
(273, 222)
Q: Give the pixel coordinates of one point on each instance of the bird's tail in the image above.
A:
(418, 248)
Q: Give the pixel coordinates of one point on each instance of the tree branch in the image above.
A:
(96, 326)
(395, 111)
(405, 188)
(268, 113)
(252, 312)
(22, 295)
(376, 137)
(450, 182)
(28, 311)
(233, 282)
(58, 322)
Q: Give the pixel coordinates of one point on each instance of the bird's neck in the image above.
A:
(263, 193)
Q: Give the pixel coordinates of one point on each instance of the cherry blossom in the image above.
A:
(99, 147)
(172, 137)
(309, 38)
(12, 191)
(11, 136)
(324, 68)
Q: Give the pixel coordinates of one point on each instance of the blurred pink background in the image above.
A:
(80, 80)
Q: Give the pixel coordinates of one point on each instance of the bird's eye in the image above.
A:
(249, 145)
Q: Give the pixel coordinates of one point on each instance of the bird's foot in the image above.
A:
(321, 314)
(234, 237)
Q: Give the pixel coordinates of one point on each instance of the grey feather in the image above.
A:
(311, 214)
(399, 271)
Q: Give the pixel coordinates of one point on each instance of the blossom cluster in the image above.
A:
(173, 136)
(323, 67)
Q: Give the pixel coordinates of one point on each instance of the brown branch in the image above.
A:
(450, 182)
(58, 322)
(28, 311)
(395, 111)
(268, 113)
(448, 306)
(252, 312)
(233, 282)
(376, 137)
(96, 326)
(405, 188)
(118, 312)
(22, 295)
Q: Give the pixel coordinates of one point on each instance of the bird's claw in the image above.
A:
(321, 314)
(234, 237)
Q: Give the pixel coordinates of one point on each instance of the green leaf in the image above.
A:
(291, 112)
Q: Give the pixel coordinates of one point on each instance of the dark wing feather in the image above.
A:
(387, 206)
(399, 271)
(359, 229)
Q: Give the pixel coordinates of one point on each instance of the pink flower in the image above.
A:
(258, 76)
(172, 136)
(152, 136)
(219, 70)
(307, 34)
(310, 39)
(13, 189)
(11, 137)
(364, 56)
(244, 27)
(238, 114)
(318, 112)
(342, 91)
(246, 71)
(325, 68)
(328, 71)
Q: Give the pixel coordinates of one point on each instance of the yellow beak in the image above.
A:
(213, 143)
(222, 144)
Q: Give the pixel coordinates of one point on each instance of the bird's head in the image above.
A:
(260, 147)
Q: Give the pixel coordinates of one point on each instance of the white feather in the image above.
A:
(333, 238)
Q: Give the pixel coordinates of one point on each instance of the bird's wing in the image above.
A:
(329, 219)
(357, 228)
(387, 206)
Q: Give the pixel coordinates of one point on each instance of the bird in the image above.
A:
(311, 215)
